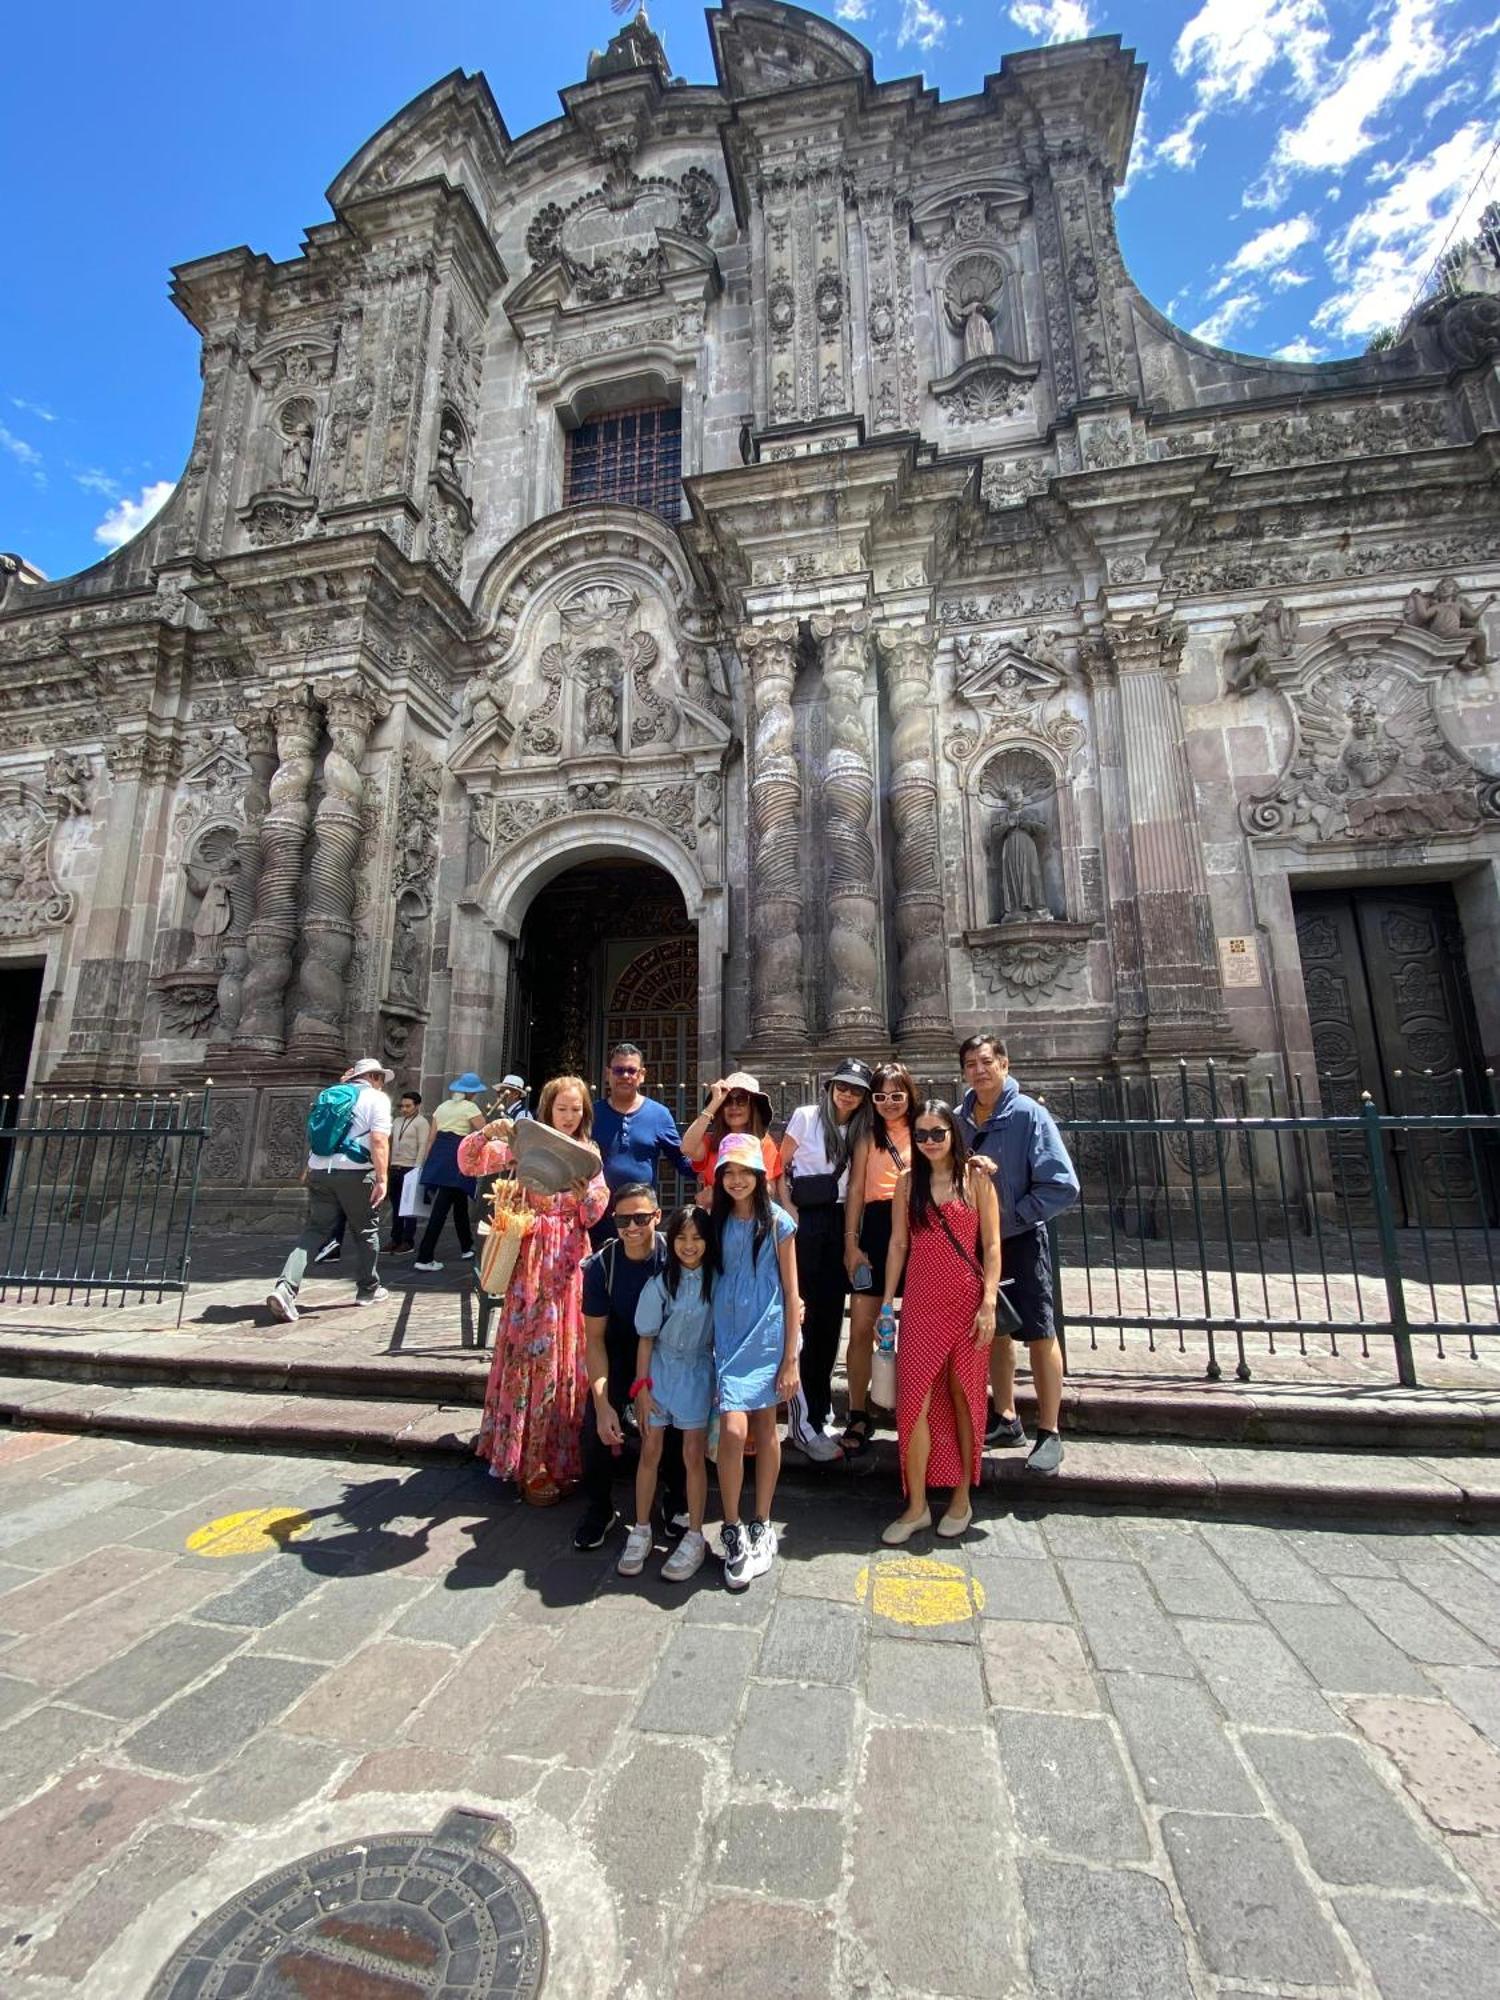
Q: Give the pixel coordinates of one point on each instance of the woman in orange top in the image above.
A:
(736, 1103)
(879, 1161)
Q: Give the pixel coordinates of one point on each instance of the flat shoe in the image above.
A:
(953, 1525)
(903, 1530)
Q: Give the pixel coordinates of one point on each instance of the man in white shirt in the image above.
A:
(349, 1182)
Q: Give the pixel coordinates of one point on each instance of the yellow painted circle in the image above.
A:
(250, 1533)
(920, 1590)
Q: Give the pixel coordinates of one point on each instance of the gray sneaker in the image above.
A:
(1046, 1454)
(280, 1304)
(376, 1298)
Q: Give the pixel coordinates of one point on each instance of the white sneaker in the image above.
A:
(815, 1445)
(376, 1298)
(762, 1548)
(637, 1548)
(427, 1267)
(687, 1558)
(280, 1304)
(329, 1251)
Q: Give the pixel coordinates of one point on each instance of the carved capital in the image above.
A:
(1142, 645)
(258, 730)
(907, 651)
(769, 651)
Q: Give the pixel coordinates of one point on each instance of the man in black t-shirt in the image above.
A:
(613, 1280)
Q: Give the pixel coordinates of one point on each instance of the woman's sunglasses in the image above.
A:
(737, 1097)
(930, 1135)
(890, 1096)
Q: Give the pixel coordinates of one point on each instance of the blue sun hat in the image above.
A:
(467, 1085)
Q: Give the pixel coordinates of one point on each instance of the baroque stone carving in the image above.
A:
(1259, 640)
(1014, 687)
(416, 822)
(283, 832)
(31, 899)
(982, 392)
(258, 734)
(1448, 614)
(1026, 963)
(188, 1011)
(1290, 437)
(971, 293)
(777, 1005)
(503, 820)
(907, 653)
(847, 800)
(68, 782)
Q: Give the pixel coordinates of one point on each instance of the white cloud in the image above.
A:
(36, 410)
(1228, 46)
(1274, 246)
(852, 10)
(1217, 328)
(1286, 280)
(1181, 148)
(1053, 20)
(92, 480)
(920, 23)
(22, 452)
(1300, 349)
(1382, 254)
(127, 517)
(1389, 59)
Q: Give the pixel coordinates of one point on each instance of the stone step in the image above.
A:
(1154, 1472)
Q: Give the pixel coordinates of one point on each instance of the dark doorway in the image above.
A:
(608, 953)
(1392, 1014)
(20, 998)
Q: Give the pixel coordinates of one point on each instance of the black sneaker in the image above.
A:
(598, 1518)
(675, 1520)
(1004, 1430)
(1046, 1454)
(737, 1571)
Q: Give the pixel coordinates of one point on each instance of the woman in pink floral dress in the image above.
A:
(538, 1386)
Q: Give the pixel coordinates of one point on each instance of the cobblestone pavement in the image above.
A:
(1078, 1755)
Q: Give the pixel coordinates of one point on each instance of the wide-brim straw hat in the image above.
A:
(741, 1079)
(740, 1149)
(370, 1067)
(549, 1161)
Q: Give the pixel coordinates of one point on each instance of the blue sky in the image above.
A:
(1299, 164)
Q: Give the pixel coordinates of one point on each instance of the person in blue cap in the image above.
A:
(455, 1118)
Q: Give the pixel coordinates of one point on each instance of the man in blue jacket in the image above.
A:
(1020, 1144)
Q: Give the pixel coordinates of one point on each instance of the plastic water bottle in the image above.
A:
(883, 1361)
(885, 1332)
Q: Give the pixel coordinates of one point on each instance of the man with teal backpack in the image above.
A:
(349, 1147)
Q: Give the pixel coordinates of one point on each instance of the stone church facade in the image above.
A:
(742, 565)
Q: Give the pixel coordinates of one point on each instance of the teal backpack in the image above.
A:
(329, 1120)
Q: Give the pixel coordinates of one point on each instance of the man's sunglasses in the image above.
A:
(624, 1069)
(641, 1221)
(930, 1135)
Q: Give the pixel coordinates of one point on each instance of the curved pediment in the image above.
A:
(453, 131)
(761, 48)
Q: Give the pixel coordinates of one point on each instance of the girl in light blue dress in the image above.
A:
(674, 1388)
(757, 1327)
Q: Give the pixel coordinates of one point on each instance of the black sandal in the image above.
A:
(856, 1439)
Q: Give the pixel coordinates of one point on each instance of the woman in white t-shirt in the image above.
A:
(815, 1153)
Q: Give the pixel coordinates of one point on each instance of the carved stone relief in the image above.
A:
(31, 898)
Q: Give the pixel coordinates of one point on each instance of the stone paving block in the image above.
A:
(646, 1828)
(281, 1581)
(408, 1768)
(43, 1743)
(927, 1792)
(1474, 1690)
(329, 1624)
(743, 1951)
(564, 1792)
(456, 1612)
(204, 1728)
(926, 1683)
(711, 1604)
(615, 1646)
(1020, 1587)
(1253, 1916)
(1098, 1935)
(1478, 1854)
(48, 1513)
(1423, 1951)
(1449, 1768)
(1178, 1745)
(1005, 1535)
(1415, 1624)
(1086, 1537)
(73, 1826)
(79, 1585)
(1342, 1650)
(369, 1700)
(697, 1688)
(1466, 1594)
(1268, 1566)
(1338, 1552)
(579, 1724)
(163, 1858)
(1357, 1829)
(16, 1695)
(1186, 1575)
(809, 1640)
(1037, 1666)
(1068, 1786)
(801, 1738)
(480, 1689)
(84, 1536)
(1126, 1629)
(13, 1577)
(830, 1573)
(793, 1852)
(1254, 1678)
(150, 1673)
(271, 1776)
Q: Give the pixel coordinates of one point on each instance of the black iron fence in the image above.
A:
(97, 1195)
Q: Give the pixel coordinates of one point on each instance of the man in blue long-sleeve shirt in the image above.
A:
(1018, 1140)
(633, 1132)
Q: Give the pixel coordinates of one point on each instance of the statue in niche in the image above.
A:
(970, 296)
(296, 452)
(1016, 862)
(1258, 639)
(405, 953)
(450, 449)
(601, 700)
(213, 916)
(1447, 614)
(66, 782)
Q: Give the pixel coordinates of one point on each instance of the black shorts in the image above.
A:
(1026, 1261)
(874, 1243)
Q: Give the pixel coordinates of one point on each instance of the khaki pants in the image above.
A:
(333, 1193)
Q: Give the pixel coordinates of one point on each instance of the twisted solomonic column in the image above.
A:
(921, 950)
(283, 834)
(846, 807)
(778, 1007)
(256, 728)
(320, 999)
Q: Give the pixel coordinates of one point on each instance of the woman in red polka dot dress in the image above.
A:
(945, 1228)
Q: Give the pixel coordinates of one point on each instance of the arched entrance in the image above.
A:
(608, 953)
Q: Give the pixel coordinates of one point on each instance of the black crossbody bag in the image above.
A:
(1007, 1319)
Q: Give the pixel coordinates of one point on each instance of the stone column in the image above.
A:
(922, 1007)
(1174, 930)
(256, 728)
(846, 801)
(316, 1012)
(778, 1006)
(283, 833)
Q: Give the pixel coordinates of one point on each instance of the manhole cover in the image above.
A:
(388, 1918)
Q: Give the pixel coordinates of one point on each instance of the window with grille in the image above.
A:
(632, 455)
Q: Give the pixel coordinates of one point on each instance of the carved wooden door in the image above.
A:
(654, 1003)
(1387, 993)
